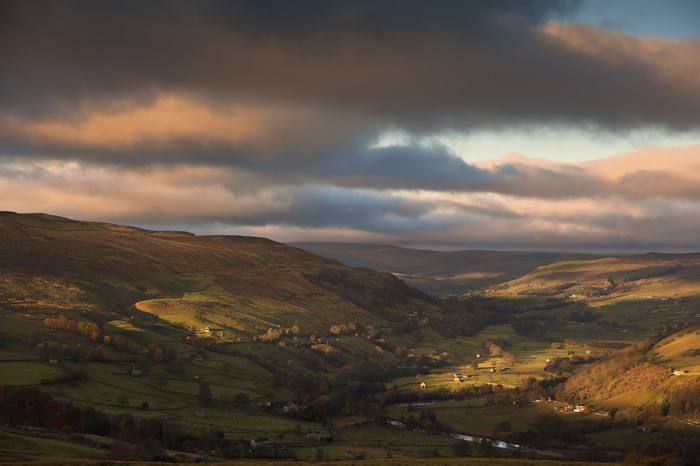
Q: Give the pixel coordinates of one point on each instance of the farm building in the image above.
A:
(312, 435)
(258, 442)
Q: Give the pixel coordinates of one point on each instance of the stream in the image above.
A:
(469, 438)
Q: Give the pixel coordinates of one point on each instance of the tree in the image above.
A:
(462, 448)
(241, 399)
(204, 393)
(123, 400)
(503, 426)
(485, 447)
(509, 358)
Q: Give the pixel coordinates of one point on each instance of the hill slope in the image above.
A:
(243, 285)
(209, 337)
(661, 275)
(440, 273)
(640, 379)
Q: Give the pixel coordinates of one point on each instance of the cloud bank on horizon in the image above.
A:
(271, 118)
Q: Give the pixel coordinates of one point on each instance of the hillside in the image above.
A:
(646, 381)
(658, 275)
(115, 331)
(440, 273)
(605, 298)
(241, 285)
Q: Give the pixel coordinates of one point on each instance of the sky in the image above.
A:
(551, 125)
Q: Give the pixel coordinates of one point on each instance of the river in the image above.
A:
(469, 438)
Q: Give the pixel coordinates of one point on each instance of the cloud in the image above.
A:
(412, 64)
(177, 127)
(263, 117)
(199, 195)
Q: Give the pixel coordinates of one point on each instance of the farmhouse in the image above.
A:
(281, 406)
(312, 435)
(260, 442)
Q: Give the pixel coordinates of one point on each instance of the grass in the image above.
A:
(474, 417)
(676, 351)
(622, 438)
(531, 356)
(26, 372)
(18, 446)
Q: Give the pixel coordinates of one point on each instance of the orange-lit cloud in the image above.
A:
(173, 119)
(672, 62)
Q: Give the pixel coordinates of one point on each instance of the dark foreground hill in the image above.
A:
(440, 273)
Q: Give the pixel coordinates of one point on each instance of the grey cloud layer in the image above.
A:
(417, 64)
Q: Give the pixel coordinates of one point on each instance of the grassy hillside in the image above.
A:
(136, 344)
(646, 381)
(605, 299)
(646, 276)
(92, 269)
(134, 322)
(439, 273)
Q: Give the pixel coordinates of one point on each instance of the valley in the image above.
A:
(128, 344)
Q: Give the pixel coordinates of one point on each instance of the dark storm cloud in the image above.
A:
(419, 65)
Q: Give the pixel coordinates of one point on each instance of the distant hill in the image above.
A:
(646, 275)
(440, 273)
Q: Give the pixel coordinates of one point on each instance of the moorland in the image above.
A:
(118, 343)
